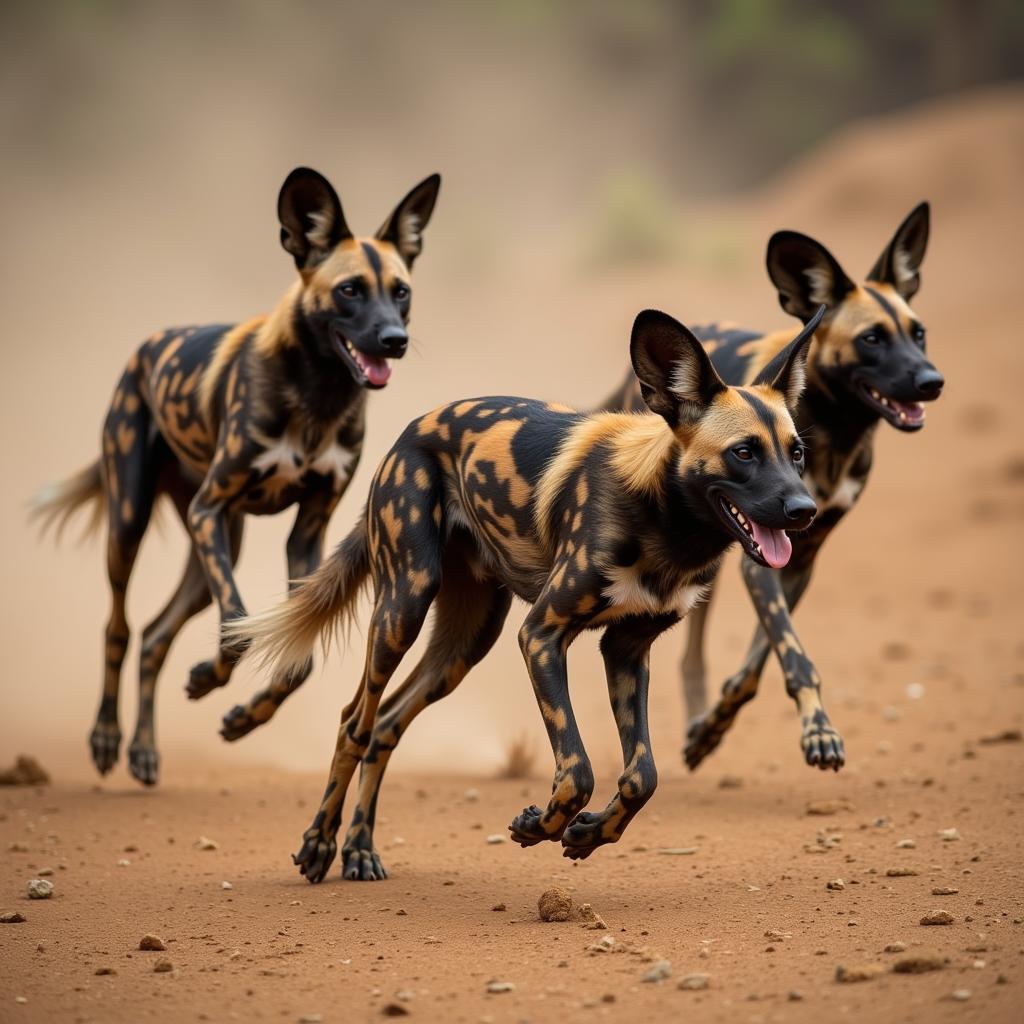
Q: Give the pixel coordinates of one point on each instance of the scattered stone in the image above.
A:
(122, 863)
(12, 918)
(44, 872)
(40, 889)
(395, 1010)
(836, 885)
(555, 904)
(944, 890)
(472, 795)
(915, 691)
(919, 964)
(226, 885)
(152, 943)
(163, 966)
(863, 972)
(949, 835)
(900, 872)
(961, 995)
(730, 782)
(938, 917)
(496, 838)
(794, 996)
(591, 919)
(906, 844)
(1007, 736)
(695, 982)
(603, 945)
(17, 847)
(496, 987)
(203, 843)
(405, 995)
(101, 971)
(775, 936)
(311, 1018)
(895, 947)
(659, 972)
(499, 907)
(679, 851)
(825, 807)
(27, 771)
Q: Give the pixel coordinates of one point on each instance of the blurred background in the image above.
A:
(598, 158)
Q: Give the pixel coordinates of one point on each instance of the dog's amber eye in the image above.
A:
(401, 293)
(870, 338)
(348, 290)
(743, 453)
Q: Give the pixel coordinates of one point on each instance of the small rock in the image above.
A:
(472, 795)
(311, 1018)
(555, 904)
(944, 890)
(906, 844)
(152, 943)
(775, 936)
(825, 807)
(499, 907)
(794, 996)
(938, 917)
(915, 691)
(895, 947)
(204, 843)
(496, 838)
(836, 885)
(122, 863)
(17, 847)
(659, 972)
(395, 1010)
(678, 851)
(730, 782)
(163, 966)
(949, 835)
(1007, 736)
(104, 971)
(12, 918)
(864, 972)
(44, 872)
(900, 872)
(40, 889)
(919, 964)
(226, 885)
(405, 995)
(496, 987)
(694, 982)
(961, 995)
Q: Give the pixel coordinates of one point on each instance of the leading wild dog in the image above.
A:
(229, 421)
(867, 364)
(599, 521)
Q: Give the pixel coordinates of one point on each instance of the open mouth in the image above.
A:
(764, 545)
(902, 415)
(369, 371)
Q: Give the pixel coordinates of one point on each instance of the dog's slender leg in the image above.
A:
(544, 640)
(695, 694)
(773, 594)
(304, 551)
(625, 648)
(468, 616)
(129, 477)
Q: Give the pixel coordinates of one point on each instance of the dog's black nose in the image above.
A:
(800, 509)
(929, 382)
(393, 340)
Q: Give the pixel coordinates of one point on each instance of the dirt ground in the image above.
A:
(914, 621)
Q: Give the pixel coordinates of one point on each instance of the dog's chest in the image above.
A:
(629, 594)
(287, 460)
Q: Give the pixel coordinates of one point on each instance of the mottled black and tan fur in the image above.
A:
(867, 363)
(229, 421)
(598, 521)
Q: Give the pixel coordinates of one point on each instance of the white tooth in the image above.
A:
(885, 402)
(903, 417)
(874, 393)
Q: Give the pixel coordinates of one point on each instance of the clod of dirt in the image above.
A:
(12, 918)
(659, 972)
(163, 966)
(895, 947)
(900, 872)
(152, 943)
(944, 890)
(499, 907)
(695, 982)
(730, 782)
(938, 917)
(555, 905)
(836, 885)
(203, 843)
(27, 771)
(919, 964)
(496, 987)
(825, 807)
(40, 889)
(44, 872)
(395, 1010)
(101, 971)
(1007, 736)
(591, 919)
(604, 945)
(863, 972)
(17, 847)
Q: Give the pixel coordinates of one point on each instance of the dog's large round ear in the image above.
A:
(676, 377)
(312, 221)
(404, 228)
(805, 273)
(900, 262)
(787, 371)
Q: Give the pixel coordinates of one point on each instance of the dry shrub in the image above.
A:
(519, 758)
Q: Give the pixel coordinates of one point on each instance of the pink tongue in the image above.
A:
(775, 546)
(378, 371)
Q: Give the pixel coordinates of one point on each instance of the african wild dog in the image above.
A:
(867, 363)
(606, 520)
(229, 421)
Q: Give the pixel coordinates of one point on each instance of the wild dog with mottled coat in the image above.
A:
(229, 421)
(867, 364)
(599, 521)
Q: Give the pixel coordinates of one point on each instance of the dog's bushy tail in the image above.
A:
(282, 638)
(56, 503)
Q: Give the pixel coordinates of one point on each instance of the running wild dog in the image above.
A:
(867, 364)
(598, 521)
(229, 421)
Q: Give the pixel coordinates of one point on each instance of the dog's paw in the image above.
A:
(105, 745)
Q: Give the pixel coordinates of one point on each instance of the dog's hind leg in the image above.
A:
(625, 648)
(129, 480)
(468, 616)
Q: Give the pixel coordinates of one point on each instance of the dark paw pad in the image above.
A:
(238, 722)
(526, 828)
(105, 744)
(144, 764)
(203, 679)
(823, 748)
(362, 866)
(584, 836)
(702, 737)
(316, 856)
